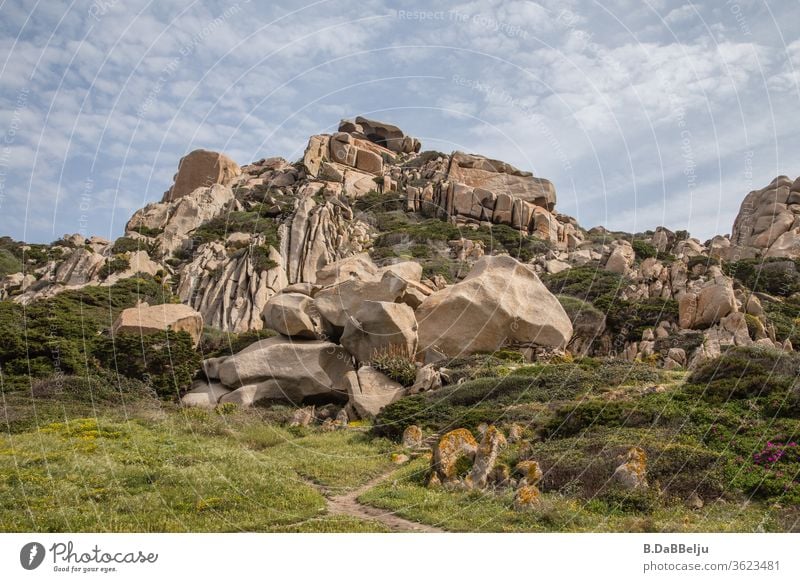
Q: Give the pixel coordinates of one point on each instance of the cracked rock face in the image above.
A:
(768, 223)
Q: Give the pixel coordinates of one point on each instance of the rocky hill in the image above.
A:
(373, 280)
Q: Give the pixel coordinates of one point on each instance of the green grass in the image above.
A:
(95, 465)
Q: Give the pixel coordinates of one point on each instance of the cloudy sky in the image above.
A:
(642, 112)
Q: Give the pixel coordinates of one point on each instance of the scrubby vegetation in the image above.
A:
(63, 334)
(425, 239)
(602, 290)
(251, 222)
(775, 276)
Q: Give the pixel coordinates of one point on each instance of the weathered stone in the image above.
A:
(412, 437)
(147, 319)
(302, 416)
(454, 446)
(384, 134)
(621, 258)
(372, 392)
(359, 267)
(370, 162)
(337, 304)
(293, 315)
(492, 443)
(316, 153)
(501, 178)
(501, 302)
(201, 168)
(280, 368)
(428, 378)
(380, 327)
(204, 394)
(632, 473)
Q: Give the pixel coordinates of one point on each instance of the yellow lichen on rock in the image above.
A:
(531, 472)
(454, 446)
(412, 437)
(486, 456)
(632, 473)
(527, 496)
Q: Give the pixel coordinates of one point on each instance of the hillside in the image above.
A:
(381, 338)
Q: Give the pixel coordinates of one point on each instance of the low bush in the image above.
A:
(166, 361)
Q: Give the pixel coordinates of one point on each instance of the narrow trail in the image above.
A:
(348, 504)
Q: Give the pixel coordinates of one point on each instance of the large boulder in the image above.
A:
(204, 394)
(358, 266)
(338, 303)
(500, 303)
(707, 307)
(285, 369)
(201, 168)
(499, 178)
(621, 258)
(150, 319)
(384, 134)
(380, 326)
(768, 222)
(293, 315)
(372, 392)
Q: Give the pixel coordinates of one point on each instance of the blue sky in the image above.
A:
(642, 113)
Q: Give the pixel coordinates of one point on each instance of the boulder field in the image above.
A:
(333, 338)
(376, 264)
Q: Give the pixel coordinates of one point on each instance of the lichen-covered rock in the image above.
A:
(453, 448)
(492, 442)
(632, 473)
(528, 495)
(515, 432)
(412, 437)
(303, 416)
(501, 302)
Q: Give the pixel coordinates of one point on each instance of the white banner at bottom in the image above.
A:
(388, 557)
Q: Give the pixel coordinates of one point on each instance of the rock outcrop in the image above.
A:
(149, 319)
(201, 168)
(282, 369)
(768, 223)
(500, 303)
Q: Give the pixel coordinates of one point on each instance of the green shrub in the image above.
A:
(588, 283)
(167, 361)
(644, 250)
(57, 335)
(147, 231)
(785, 317)
(397, 364)
(253, 223)
(9, 263)
(775, 276)
(215, 343)
(115, 264)
(261, 259)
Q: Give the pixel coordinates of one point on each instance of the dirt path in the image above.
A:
(347, 504)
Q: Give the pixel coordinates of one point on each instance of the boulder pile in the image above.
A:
(333, 333)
